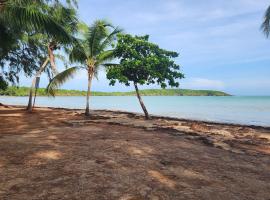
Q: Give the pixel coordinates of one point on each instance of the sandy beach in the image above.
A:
(61, 154)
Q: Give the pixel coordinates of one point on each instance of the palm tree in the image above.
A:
(66, 17)
(266, 23)
(21, 18)
(92, 53)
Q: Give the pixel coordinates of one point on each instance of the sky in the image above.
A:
(220, 43)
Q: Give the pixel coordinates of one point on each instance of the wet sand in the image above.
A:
(60, 154)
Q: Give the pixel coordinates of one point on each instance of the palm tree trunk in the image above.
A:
(52, 58)
(30, 105)
(90, 77)
(141, 102)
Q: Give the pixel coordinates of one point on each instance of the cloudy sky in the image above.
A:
(220, 43)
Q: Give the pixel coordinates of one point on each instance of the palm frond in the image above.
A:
(82, 30)
(266, 23)
(105, 56)
(65, 16)
(30, 16)
(78, 54)
(60, 79)
(97, 33)
(101, 61)
(111, 37)
(96, 72)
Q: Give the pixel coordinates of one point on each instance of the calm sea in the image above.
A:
(235, 109)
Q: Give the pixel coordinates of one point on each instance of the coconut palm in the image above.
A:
(67, 18)
(266, 23)
(92, 53)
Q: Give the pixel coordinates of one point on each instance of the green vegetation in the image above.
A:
(143, 62)
(23, 91)
(21, 22)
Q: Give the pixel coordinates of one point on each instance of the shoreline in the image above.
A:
(227, 136)
(154, 116)
(249, 111)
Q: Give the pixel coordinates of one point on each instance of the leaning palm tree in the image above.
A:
(91, 53)
(266, 23)
(67, 18)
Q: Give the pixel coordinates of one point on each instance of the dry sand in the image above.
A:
(60, 154)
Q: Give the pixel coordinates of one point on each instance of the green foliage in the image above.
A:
(97, 39)
(3, 83)
(24, 56)
(33, 16)
(23, 91)
(67, 18)
(24, 25)
(61, 78)
(142, 62)
(91, 52)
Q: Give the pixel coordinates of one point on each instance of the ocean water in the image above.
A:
(232, 109)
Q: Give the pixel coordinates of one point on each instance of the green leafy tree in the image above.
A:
(142, 62)
(91, 53)
(266, 23)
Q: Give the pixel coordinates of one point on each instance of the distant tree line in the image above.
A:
(24, 91)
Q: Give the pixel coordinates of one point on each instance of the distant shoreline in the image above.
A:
(23, 91)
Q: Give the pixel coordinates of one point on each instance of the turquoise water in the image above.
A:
(235, 109)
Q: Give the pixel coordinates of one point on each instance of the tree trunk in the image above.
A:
(90, 77)
(51, 48)
(30, 105)
(141, 102)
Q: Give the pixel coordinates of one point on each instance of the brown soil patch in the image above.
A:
(60, 154)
